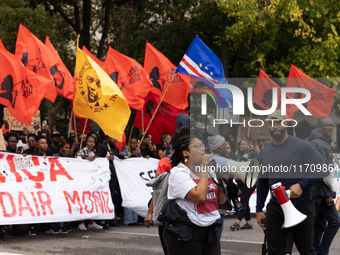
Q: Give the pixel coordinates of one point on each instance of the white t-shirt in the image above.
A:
(180, 183)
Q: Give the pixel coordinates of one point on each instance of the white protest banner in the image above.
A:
(133, 175)
(336, 161)
(54, 190)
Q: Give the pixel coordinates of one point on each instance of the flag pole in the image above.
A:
(249, 126)
(74, 114)
(75, 125)
(154, 114)
(130, 134)
(70, 124)
(143, 121)
(81, 142)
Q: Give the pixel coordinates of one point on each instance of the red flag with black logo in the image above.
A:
(2, 45)
(321, 101)
(129, 76)
(263, 94)
(160, 71)
(164, 121)
(61, 76)
(93, 57)
(35, 56)
(80, 124)
(21, 90)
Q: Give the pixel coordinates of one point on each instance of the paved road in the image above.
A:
(136, 240)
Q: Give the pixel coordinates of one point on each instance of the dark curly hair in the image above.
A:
(180, 142)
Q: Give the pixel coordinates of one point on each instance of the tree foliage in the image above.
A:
(273, 34)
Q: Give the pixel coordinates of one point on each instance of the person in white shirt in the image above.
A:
(196, 195)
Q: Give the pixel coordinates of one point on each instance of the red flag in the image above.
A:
(121, 145)
(321, 100)
(36, 57)
(21, 89)
(93, 57)
(61, 76)
(263, 94)
(160, 71)
(2, 46)
(4, 129)
(129, 76)
(164, 121)
(80, 123)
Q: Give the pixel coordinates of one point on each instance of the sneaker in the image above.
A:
(32, 231)
(53, 230)
(82, 226)
(235, 227)
(106, 225)
(247, 226)
(113, 223)
(94, 226)
(62, 230)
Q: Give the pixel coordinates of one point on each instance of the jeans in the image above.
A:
(330, 216)
(302, 233)
(130, 216)
(220, 228)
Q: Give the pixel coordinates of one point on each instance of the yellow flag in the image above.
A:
(98, 97)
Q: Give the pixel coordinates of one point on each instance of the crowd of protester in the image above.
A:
(97, 144)
(80, 146)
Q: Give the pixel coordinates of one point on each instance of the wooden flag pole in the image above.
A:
(130, 134)
(154, 114)
(70, 124)
(81, 142)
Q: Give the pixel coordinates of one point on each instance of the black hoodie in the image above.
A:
(321, 143)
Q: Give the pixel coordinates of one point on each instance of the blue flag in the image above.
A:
(200, 61)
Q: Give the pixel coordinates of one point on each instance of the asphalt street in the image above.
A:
(131, 240)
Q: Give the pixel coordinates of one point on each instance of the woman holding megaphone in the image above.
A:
(190, 216)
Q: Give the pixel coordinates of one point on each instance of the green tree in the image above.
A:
(274, 34)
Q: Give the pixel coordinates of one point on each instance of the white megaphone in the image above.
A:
(292, 216)
(247, 171)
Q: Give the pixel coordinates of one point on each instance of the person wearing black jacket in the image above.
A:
(245, 150)
(327, 220)
(109, 149)
(64, 150)
(55, 141)
(42, 149)
(32, 144)
(12, 139)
